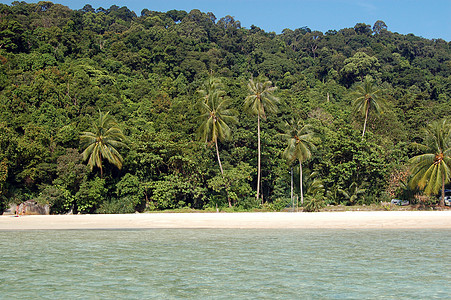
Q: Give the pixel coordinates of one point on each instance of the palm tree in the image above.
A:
(315, 185)
(299, 146)
(259, 102)
(102, 142)
(368, 97)
(353, 193)
(432, 170)
(216, 117)
(211, 86)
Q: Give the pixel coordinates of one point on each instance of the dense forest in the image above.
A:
(187, 106)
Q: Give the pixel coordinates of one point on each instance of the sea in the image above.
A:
(225, 264)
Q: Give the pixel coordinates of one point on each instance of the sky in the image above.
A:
(428, 19)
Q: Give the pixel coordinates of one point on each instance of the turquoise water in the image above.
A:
(225, 264)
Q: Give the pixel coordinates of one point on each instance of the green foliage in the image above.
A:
(70, 170)
(367, 98)
(91, 194)
(129, 197)
(58, 197)
(352, 160)
(102, 143)
(431, 171)
(260, 101)
(352, 194)
(59, 67)
(277, 205)
(299, 141)
(313, 204)
(215, 116)
(235, 183)
(3, 176)
(175, 192)
(358, 66)
(300, 144)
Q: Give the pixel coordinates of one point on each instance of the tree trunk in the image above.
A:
(222, 171)
(442, 201)
(366, 118)
(259, 154)
(219, 160)
(292, 198)
(300, 183)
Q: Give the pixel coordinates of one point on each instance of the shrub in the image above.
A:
(313, 204)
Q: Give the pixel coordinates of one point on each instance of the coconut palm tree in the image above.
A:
(102, 142)
(260, 101)
(215, 119)
(300, 145)
(212, 85)
(432, 170)
(367, 97)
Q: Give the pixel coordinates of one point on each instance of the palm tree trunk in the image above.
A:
(366, 119)
(219, 160)
(300, 183)
(259, 154)
(442, 201)
(222, 171)
(292, 198)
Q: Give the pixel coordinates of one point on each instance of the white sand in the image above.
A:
(339, 220)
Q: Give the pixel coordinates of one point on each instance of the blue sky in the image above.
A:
(429, 19)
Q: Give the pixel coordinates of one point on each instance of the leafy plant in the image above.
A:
(432, 170)
(313, 204)
(353, 194)
(102, 143)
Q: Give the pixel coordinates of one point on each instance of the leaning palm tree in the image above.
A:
(300, 145)
(259, 102)
(102, 142)
(432, 170)
(215, 119)
(367, 97)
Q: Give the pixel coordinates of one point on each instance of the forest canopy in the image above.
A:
(161, 76)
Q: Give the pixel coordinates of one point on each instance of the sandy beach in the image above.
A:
(332, 220)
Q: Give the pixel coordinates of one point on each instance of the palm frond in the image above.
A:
(102, 142)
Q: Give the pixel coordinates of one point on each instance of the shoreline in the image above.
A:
(263, 220)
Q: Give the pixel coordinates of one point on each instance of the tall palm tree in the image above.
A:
(102, 142)
(367, 97)
(259, 102)
(215, 117)
(300, 145)
(432, 170)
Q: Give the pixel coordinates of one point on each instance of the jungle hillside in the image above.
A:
(106, 111)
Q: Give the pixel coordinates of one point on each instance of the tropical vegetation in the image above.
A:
(106, 110)
(432, 169)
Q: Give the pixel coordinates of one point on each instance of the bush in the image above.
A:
(59, 198)
(313, 204)
(3, 202)
(123, 205)
(277, 205)
(91, 195)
